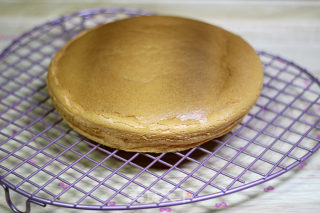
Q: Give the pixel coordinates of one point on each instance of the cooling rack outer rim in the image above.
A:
(43, 201)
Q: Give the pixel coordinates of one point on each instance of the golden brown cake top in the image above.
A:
(155, 72)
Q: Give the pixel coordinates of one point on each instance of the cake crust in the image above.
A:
(154, 83)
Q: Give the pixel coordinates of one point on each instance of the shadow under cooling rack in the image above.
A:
(45, 160)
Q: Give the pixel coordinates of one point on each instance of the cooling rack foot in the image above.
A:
(13, 207)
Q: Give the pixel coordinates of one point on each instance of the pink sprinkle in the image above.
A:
(64, 186)
(31, 161)
(221, 204)
(240, 149)
(318, 136)
(189, 194)
(7, 37)
(112, 203)
(306, 83)
(318, 108)
(165, 209)
(268, 188)
(301, 165)
(15, 106)
(14, 132)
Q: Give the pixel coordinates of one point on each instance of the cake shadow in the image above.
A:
(167, 160)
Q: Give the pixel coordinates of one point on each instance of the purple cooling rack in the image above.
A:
(47, 162)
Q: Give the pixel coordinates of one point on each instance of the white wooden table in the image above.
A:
(287, 28)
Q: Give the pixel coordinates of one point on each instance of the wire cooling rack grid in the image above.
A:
(47, 162)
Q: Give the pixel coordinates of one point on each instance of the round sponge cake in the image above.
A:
(154, 83)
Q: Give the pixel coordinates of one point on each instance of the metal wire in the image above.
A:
(44, 160)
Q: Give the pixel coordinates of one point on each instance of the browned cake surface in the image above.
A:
(155, 83)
